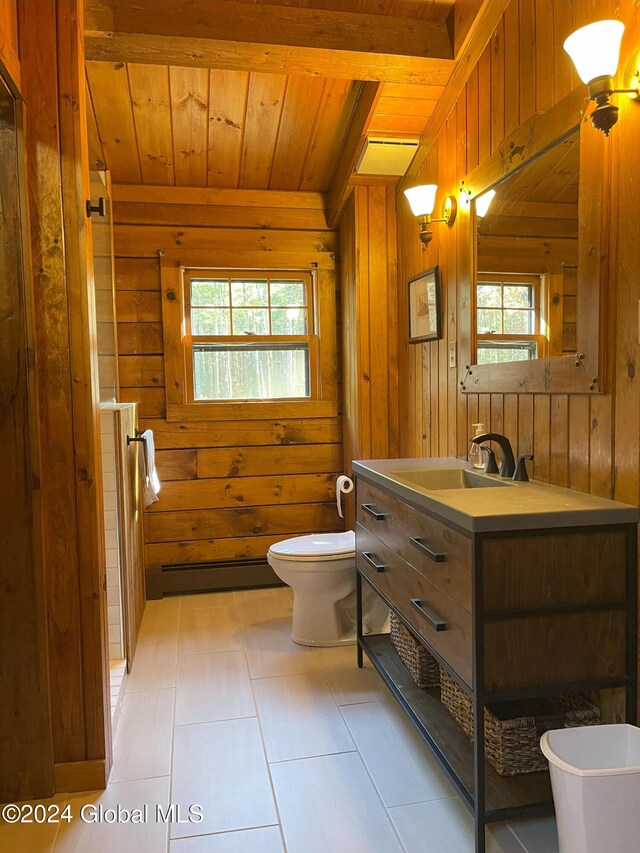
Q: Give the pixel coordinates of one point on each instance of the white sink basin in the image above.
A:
(448, 478)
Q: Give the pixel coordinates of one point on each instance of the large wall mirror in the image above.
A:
(538, 258)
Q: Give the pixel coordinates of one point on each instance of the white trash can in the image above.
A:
(595, 777)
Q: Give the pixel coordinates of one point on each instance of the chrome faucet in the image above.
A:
(508, 465)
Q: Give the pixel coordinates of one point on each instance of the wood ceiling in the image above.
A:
(193, 127)
(191, 92)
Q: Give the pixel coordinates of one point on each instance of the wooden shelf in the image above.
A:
(528, 793)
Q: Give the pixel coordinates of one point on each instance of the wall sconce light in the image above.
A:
(422, 200)
(595, 51)
(483, 203)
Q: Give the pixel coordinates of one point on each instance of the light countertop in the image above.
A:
(519, 506)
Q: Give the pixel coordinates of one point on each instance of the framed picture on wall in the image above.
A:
(425, 307)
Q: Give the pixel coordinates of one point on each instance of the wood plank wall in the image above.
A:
(26, 747)
(230, 488)
(51, 50)
(587, 443)
(370, 326)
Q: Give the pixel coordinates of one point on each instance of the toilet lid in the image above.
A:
(317, 545)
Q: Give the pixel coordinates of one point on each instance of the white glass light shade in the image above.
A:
(595, 49)
(483, 203)
(422, 199)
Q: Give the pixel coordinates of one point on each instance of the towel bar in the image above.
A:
(136, 438)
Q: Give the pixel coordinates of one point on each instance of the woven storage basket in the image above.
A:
(422, 666)
(512, 730)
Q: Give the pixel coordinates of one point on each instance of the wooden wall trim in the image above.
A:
(85, 378)
(220, 197)
(71, 776)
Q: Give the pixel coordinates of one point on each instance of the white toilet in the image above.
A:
(321, 570)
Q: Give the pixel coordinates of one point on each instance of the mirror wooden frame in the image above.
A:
(584, 372)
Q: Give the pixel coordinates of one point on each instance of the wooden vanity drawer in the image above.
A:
(442, 623)
(439, 553)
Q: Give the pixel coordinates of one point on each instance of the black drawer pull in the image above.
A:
(369, 557)
(436, 556)
(432, 618)
(379, 516)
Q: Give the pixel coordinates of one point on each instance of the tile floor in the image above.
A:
(285, 748)
(117, 678)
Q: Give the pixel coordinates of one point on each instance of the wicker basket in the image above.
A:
(422, 666)
(512, 730)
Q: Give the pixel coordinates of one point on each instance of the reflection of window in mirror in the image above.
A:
(527, 257)
(508, 319)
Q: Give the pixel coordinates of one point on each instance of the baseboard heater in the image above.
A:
(208, 577)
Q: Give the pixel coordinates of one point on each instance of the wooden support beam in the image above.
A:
(225, 197)
(340, 188)
(476, 39)
(274, 39)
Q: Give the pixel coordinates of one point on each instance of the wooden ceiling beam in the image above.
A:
(273, 39)
(340, 188)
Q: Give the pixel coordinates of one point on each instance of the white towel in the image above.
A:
(150, 480)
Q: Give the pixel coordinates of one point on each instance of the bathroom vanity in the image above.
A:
(519, 590)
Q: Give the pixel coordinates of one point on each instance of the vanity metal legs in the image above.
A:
(359, 618)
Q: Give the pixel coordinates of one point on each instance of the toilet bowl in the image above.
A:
(321, 570)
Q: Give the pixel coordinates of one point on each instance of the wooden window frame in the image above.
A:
(503, 279)
(181, 406)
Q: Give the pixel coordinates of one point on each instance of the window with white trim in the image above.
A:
(249, 335)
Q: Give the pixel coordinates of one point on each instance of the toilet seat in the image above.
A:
(316, 546)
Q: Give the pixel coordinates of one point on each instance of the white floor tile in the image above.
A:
(263, 605)
(209, 629)
(353, 686)
(221, 766)
(299, 717)
(161, 616)
(207, 599)
(124, 837)
(401, 765)
(267, 839)
(537, 835)
(336, 657)
(270, 650)
(142, 747)
(154, 663)
(446, 826)
(34, 837)
(329, 804)
(213, 687)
